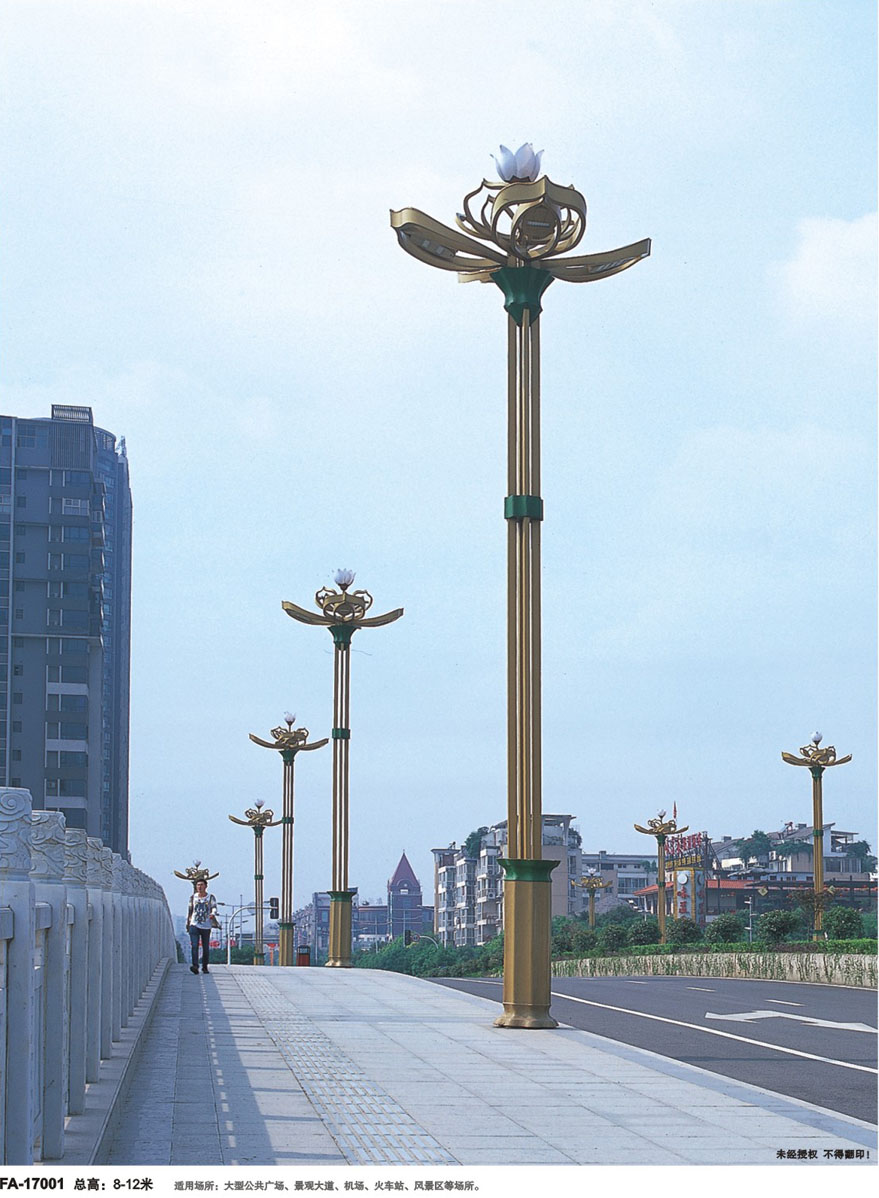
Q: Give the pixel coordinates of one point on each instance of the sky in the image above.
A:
(196, 201)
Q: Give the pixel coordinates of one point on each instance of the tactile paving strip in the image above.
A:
(367, 1124)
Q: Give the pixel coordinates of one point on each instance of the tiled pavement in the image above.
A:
(253, 1066)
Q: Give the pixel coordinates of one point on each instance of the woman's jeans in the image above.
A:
(200, 936)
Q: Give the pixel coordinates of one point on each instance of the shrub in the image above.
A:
(644, 931)
(612, 936)
(775, 926)
(583, 938)
(726, 929)
(682, 931)
(842, 923)
(868, 923)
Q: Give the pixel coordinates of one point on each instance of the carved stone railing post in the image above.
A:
(95, 879)
(47, 871)
(107, 978)
(75, 877)
(17, 893)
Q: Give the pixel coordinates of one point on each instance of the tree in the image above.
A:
(861, 850)
(644, 931)
(682, 931)
(791, 847)
(473, 843)
(726, 929)
(583, 939)
(842, 923)
(754, 846)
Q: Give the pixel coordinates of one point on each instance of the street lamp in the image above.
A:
(590, 883)
(817, 760)
(660, 827)
(195, 873)
(510, 234)
(343, 614)
(259, 820)
(288, 741)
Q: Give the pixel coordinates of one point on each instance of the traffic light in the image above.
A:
(407, 937)
(274, 908)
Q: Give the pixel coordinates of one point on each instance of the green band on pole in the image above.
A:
(522, 287)
(341, 896)
(341, 734)
(286, 819)
(526, 869)
(288, 756)
(283, 926)
(342, 634)
(518, 507)
(257, 877)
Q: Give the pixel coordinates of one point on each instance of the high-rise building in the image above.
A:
(65, 615)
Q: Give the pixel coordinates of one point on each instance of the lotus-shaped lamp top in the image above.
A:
(289, 718)
(343, 578)
(816, 738)
(524, 165)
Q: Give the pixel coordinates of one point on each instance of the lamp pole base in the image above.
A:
(527, 944)
(340, 929)
(285, 944)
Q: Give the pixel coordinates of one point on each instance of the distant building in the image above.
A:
(790, 856)
(625, 874)
(65, 615)
(468, 886)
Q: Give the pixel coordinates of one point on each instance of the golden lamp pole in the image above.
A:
(817, 760)
(510, 234)
(259, 820)
(660, 828)
(288, 741)
(343, 613)
(591, 883)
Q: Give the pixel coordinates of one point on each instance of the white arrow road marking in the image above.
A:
(750, 1016)
(712, 1031)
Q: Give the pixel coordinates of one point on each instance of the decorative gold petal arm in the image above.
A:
(235, 820)
(266, 744)
(842, 760)
(646, 831)
(318, 744)
(306, 617)
(587, 267)
(436, 244)
(791, 760)
(377, 621)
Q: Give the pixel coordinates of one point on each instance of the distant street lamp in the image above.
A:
(196, 873)
(343, 614)
(288, 741)
(591, 883)
(660, 827)
(510, 234)
(259, 820)
(817, 760)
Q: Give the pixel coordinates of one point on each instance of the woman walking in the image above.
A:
(200, 918)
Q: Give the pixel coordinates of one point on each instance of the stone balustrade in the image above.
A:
(81, 935)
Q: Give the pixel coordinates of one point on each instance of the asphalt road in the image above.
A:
(816, 1043)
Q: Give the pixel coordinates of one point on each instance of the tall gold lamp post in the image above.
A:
(660, 827)
(817, 760)
(196, 873)
(343, 612)
(259, 820)
(288, 741)
(592, 883)
(511, 233)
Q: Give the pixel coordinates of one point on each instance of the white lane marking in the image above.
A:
(634, 982)
(712, 1031)
(750, 1016)
(706, 989)
(784, 1003)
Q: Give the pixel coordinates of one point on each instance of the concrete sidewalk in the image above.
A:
(261, 1066)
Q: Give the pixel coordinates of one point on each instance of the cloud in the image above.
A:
(831, 279)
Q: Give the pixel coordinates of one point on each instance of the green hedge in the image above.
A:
(656, 950)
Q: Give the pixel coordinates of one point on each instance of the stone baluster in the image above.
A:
(116, 959)
(94, 877)
(17, 893)
(48, 845)
(75, 877)
(107, 976)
